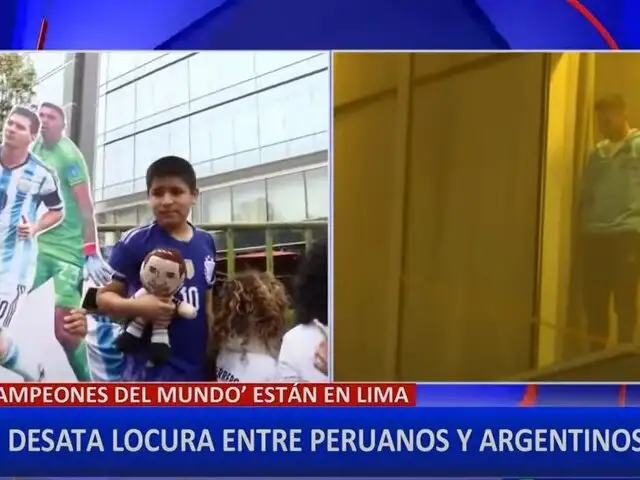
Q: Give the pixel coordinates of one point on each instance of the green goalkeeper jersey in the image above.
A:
(65, 241)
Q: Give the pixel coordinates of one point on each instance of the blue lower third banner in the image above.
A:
(328, 442)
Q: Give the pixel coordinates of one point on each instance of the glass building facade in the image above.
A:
(255, 125)
(50, 76)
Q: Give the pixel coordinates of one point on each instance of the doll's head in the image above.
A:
(163, 271)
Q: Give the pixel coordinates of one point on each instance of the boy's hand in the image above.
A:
(155, 309)
(76, 322)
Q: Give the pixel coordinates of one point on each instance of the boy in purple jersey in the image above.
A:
(172, 192)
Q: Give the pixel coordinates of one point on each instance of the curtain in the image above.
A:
(569, 133)
(584, 140)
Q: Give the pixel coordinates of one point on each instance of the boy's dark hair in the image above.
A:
(312, 285)
(26, 112)
(172, 166)
(613, 102)
(57, 108)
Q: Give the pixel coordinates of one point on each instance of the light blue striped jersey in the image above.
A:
(105, 360)
(22, 190)
(611, 187)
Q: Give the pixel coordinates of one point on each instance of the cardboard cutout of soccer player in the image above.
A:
(71, 248)
(105, 360)
(25, 185)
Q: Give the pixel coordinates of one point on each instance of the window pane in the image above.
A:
(120, 106)
(46, 62)
(146, 150)
(307, 106)
(201, 149)
(51, 88)
(296, 70)
(215, 206)
(101, 114)
(245, 124)
(272, 115)
(170, 139)
(118, 167)
(162, 90)
(121, 63)
(126, 216)
(98, 169)
(285, 195)
(320, 111)
(213, 71)
(177, 135)
(221, 131)
(317, 183)
(249, 202)
(224, 131)
(269, 61)
(294, 110)
(50, 68)
(212, 134)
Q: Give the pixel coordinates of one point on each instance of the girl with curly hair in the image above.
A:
(248, 323)
(304, 351)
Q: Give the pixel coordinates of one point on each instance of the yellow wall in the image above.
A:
(364, 213)
(620, 74)
(437, 164)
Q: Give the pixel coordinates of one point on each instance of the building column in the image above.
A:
(81, 92)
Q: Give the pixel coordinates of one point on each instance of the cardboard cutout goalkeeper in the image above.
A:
(64, 252)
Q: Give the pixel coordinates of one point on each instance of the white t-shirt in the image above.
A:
(256, 365)
(296, 362)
